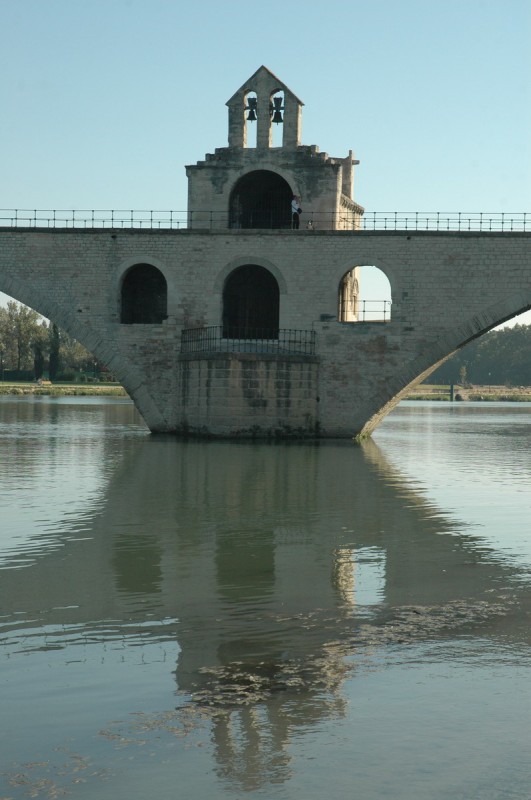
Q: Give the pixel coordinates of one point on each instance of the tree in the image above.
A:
(500, 357)
(29, 343)
(40, 349)
(19, 328)
(54, 358)
(73, 355)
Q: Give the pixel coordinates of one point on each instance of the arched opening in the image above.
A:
(276, 112)
(251, 300)
(144, 296)
(36, 350)
(364, 296)
(251, 104)
(260, 199)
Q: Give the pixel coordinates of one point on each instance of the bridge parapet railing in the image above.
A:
(478, 221)
(92, 218)
(217, 339)
(373, 311)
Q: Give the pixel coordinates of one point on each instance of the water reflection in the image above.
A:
(277, 569)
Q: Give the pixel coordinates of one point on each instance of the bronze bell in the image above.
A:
(276, 109)
(251, 116)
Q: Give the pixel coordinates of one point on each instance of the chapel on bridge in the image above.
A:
(250, 184)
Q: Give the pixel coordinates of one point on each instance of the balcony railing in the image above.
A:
(374, 311)
(477, 221)
(216, 339)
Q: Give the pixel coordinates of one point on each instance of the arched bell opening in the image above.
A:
(144, 296)
(260, 199)
(250, 131)
(364, 295)
(251, 304)
(276, 112)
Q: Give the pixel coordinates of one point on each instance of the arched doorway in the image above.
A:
(364, 295)
(260, 199)
(251, 300)
(144, 296)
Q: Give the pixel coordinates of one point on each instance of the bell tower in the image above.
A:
(250, 184)
(264, 99)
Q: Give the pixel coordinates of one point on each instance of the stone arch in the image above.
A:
(364, 295)
(260, 199)
(251, 303)
(221, 277)
(143, 296)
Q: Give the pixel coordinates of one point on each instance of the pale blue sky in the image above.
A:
(103, 102)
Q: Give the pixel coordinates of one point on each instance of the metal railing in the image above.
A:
(478, 221)
(217, 339)
(446, 221)
(373, 311)
(115, 219)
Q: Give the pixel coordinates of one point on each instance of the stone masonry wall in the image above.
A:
(248, 394)
(447, 288)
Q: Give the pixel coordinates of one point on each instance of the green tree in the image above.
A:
(54, 365)
(40, 348)
(500, 357)
(29, 342)
(73, 355)
(19, 328)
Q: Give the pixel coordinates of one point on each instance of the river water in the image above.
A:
(230, 620)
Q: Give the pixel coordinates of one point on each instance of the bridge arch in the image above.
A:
(222, 275)
(448, 288)
(251, 303)
(364, 295)
(260, 199)
(436, 352)
(143, 295)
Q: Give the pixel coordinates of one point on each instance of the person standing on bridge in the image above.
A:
(296, 211)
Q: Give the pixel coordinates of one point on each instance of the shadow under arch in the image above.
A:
(143, 296)
(364, 295)
(251, 303)
(223, 274)
(260, 199)
(74, 323)
(436, 354)
(472, 329)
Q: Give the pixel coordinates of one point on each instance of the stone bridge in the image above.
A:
(447, 288)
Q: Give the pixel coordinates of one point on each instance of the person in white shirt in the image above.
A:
(295, 212)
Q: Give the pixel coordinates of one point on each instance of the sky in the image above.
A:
(104, 102)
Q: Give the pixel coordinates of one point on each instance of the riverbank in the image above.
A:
(64, 389)
(470, 392)
(516, 394)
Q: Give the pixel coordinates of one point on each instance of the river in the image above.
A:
(252, 620)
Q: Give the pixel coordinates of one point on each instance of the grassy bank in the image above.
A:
(425, 391)
(514, 394)
(63, 389)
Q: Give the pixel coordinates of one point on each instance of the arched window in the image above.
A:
(144, 296)
(251, 300)
(251, 103)
(260, 199)
(276, 112)
(364, 296)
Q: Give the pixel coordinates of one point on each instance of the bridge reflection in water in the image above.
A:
(278, 570)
